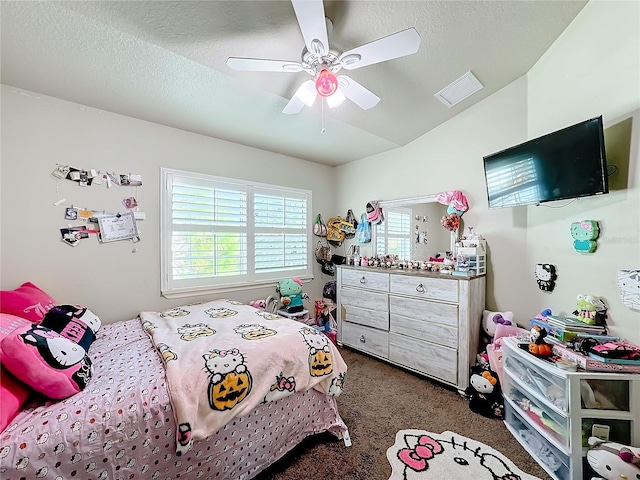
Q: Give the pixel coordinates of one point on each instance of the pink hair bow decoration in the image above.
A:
(288, 384)
(224, 353)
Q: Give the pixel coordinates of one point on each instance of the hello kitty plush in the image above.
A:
(613, 460)
(490, 320)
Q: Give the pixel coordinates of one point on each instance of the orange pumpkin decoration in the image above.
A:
(540, 349)
(229, 391)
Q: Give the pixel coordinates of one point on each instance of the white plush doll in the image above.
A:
(490, 321)
(613, 461)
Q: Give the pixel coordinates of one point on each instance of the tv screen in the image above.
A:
(569, 163)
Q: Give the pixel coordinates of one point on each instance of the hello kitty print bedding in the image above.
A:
(122, 426)
(224, 358)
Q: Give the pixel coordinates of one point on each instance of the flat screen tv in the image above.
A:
(568, 163)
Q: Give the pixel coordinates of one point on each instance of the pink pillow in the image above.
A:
(26, 301)
(46, 361)
(13, 393)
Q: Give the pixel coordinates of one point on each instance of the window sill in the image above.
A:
(198, 291)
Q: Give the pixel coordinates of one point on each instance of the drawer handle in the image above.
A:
(362, 339)
(420, 288)
(363, 280)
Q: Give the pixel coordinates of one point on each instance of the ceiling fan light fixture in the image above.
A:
(326, 83)
(336, 99)
(307, 93)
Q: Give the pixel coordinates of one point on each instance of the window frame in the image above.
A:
(172, 288)
(397, 210)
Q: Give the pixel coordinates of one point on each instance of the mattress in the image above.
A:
(122, 425)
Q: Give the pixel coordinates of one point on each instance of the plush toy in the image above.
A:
(490, 320)
(591, 310)
(613, 460)
(538, 346)
(259, 304)
(291, 296)
(78, 324)
(484, 393)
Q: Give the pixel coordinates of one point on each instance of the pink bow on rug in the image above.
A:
(416, 458)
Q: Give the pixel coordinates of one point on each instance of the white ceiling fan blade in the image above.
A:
(310, 14)
(262, 65)
(355, 92)
(396, 45)
(305, 95)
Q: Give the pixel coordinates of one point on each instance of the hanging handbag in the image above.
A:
(328, 268)
(352, 254)
(351, 220)
(319, 228)
(335, 235)
(323, 253)
(363, 232)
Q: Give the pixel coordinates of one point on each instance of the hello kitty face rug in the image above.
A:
(421, 455)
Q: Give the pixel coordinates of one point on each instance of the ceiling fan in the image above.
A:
(322, 62)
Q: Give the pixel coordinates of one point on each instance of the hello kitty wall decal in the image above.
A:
(584, 235)
(545, 276)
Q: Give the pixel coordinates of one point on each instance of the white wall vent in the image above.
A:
(459, 89)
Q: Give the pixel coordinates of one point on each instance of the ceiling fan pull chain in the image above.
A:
(322, 130)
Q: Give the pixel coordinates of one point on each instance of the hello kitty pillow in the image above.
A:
(46, 361)
(13, 393)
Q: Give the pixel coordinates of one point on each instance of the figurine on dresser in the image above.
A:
(538, 346)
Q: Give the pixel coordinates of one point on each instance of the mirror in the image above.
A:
(412, 229)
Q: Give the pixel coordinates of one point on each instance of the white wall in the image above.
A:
(592, 69)
(40, 131)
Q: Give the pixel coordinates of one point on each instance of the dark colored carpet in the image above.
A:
(380, 399)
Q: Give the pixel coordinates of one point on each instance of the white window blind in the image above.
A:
(393, 236)
(221, 233)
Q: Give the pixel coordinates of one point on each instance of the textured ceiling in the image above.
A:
(164, 61)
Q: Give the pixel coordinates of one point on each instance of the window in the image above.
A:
(220, 233)
(393, 236)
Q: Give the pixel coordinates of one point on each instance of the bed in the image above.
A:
(123, 424)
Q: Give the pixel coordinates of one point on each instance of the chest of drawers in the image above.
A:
(423, 322)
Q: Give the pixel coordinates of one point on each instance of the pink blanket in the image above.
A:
(223, 358)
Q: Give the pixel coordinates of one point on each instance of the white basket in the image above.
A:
(472, 247)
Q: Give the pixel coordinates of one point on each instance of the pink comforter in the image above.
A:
(223, 358)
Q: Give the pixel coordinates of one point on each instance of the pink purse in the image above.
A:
(319, 228)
